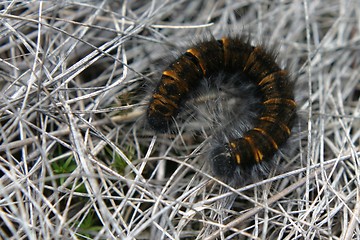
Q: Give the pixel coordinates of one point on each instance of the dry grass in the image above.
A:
(77, 160)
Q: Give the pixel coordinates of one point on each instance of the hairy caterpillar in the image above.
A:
(231, 55)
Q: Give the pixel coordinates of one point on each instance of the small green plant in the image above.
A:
(118, 163)
(65, 166)
(90, 224)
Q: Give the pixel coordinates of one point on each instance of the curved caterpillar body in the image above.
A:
(231, 55)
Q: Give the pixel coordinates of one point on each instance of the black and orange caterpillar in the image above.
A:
(231, 55)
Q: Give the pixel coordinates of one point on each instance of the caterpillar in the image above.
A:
(231, 55)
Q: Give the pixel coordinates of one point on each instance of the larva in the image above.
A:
(231, 55)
